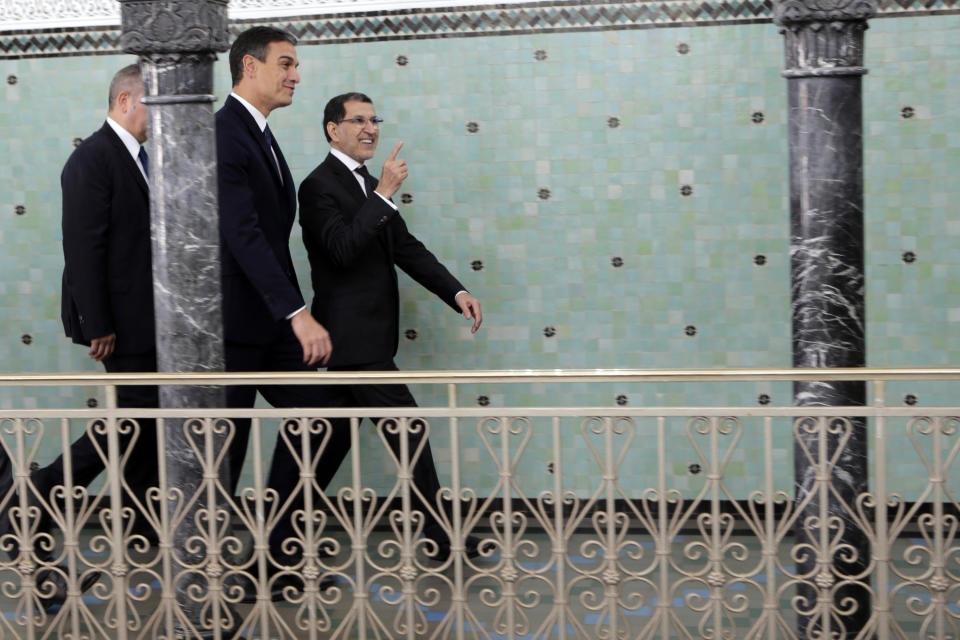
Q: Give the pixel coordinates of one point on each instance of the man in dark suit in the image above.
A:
(107, 305)
(107, 298)
(267, 326)
(355, 239)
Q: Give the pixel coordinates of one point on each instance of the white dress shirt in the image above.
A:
(129, 142)
(352, 165)
(262, 123)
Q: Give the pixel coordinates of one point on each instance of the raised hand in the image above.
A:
(393, 175)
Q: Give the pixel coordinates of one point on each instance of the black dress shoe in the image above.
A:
(52, 586)
(473, 548)
(44, 523)
(6, 483)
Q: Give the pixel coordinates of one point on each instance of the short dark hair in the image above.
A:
(335, 111)
(254, 41)
(122, 81)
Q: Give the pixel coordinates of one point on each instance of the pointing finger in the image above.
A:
(396, 150)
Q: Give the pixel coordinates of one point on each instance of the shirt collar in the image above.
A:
(257, 115)
(125, 137)
(345, 159)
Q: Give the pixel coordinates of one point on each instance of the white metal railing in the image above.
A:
(584, 553)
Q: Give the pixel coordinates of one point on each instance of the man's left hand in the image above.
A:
(470, 307)
(314, 339)
(102, 347)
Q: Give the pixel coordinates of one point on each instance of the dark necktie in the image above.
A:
(367, 179)
(370, 185)
(143, 161)
(273, 154)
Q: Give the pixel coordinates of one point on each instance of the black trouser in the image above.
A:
(424, 471)
(284, 353)
(140, 471)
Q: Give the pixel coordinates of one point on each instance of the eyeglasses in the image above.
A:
(360, 121)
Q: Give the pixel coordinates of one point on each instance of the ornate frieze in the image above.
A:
(25, 14)
(796, 11)
(176, 26)
(36, 28)
(824, 37)
(34, 14)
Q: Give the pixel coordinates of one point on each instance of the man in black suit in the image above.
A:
(107, 305)
(267, 326)
(107, 297)
(355, 239)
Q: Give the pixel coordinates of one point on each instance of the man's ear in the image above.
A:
(123, 101)
(250, 66)
(333, 131)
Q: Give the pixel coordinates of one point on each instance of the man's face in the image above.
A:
(274, 80)
(130, 113)
(356, 140)
(138, 116)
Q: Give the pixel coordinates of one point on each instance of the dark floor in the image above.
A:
(498, 599)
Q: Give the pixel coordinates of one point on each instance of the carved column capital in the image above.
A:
(797, 11)
(173, 26)
(824, 37)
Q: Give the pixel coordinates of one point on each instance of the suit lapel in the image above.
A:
(371, 184)
(261, 141)
(349, 182)
(289, 191)
(347, 179)
(129, 164)
(386, 233)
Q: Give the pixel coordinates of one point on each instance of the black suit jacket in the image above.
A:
(257, 212)
(107, 275)
(354, 243)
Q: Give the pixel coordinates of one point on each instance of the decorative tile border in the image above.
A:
(451, 22)
(60, 42)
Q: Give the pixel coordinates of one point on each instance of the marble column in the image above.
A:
(824, 65)
(177, 41)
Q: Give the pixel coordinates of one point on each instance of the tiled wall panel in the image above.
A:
(615, 198)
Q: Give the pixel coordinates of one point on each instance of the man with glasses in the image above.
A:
(355, 239)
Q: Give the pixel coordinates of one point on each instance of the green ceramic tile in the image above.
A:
(614, 191)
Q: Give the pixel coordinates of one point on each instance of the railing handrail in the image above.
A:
(506, 376)
(494, 413)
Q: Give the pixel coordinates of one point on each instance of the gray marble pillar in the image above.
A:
(824, 66)
(177, 41)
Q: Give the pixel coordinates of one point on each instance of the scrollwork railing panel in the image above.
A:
(590, 547)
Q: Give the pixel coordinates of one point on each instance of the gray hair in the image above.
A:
(124, 80)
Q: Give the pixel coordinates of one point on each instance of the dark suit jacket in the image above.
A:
(256, 215)
(107, 275)
(354, 243)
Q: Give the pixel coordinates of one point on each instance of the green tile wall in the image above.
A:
(543, 123)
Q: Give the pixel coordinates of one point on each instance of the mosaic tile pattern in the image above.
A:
(59, 42)
(548, 171)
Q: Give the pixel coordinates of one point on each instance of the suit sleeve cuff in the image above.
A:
(290, 316)
(392, 206)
